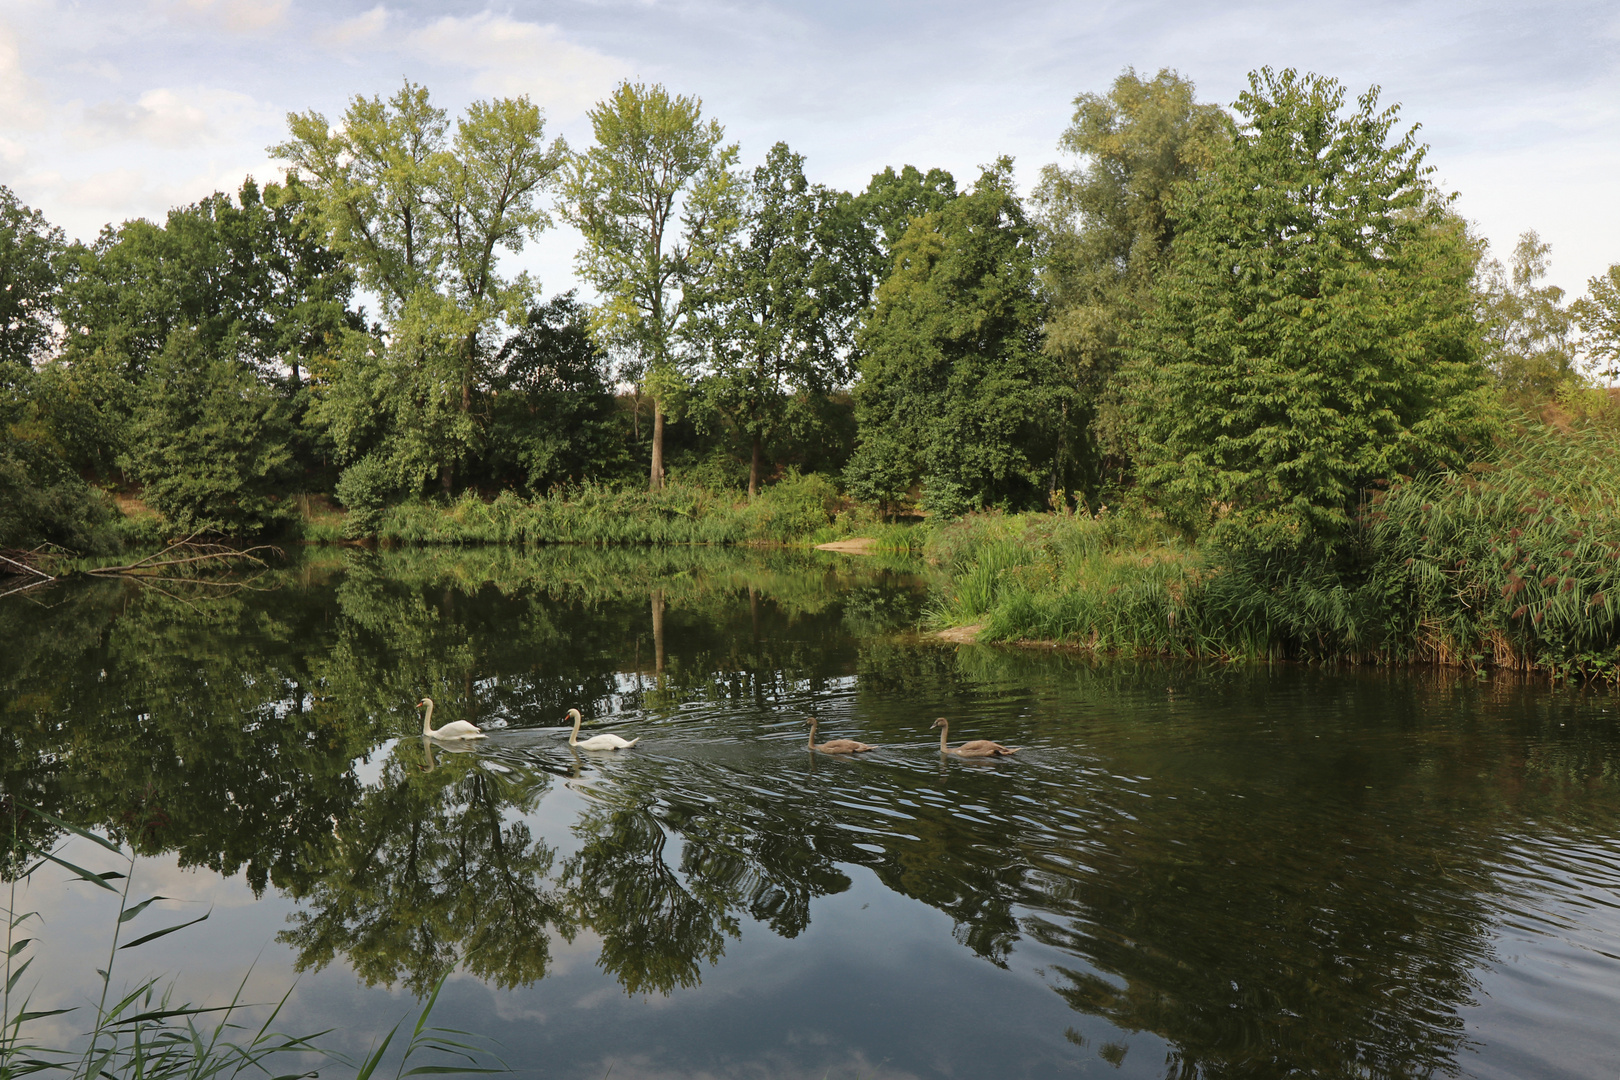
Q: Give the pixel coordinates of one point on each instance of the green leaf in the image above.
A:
(375, 1058)
(130, 913)
(74, 829)
(94, 879)
(154, 935)
(24, 1017)
(11, 983)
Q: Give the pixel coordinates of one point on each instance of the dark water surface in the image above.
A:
(1189, 870)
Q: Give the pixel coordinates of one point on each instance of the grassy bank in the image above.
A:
(1513, 565)
(797, 510)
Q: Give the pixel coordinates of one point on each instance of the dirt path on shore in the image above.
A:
(859, 545)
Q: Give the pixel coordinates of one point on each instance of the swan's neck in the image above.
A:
(573, 737)
(427, 719)
(944, 730)
(812, 733)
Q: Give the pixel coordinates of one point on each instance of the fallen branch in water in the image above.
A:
(21, 564)
(205, 555)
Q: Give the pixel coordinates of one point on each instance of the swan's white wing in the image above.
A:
(459, 729)
(605, 742)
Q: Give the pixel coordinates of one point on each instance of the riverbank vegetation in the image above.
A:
(1233, 381)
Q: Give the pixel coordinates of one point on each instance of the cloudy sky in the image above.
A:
(111, 109)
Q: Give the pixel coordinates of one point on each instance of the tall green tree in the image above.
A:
(424, 213)
(777, 318)
(1529, 339)
(954, 389)
(893, 199)
(1598, 312)
(41, 496)
(210, 442)
(30, 247)
(1314, 329)
(656, 200)
(253, 269)
(1106, 231)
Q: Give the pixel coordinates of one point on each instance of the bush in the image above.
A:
(210, 443)
(364, 490)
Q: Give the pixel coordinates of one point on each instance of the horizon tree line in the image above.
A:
(1269, 307)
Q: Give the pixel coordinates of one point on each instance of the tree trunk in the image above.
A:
(756, 468)
(655, 480)
(447, 477)
(658, 632)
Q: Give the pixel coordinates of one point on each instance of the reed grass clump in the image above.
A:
(1514, 563)
(794, 508)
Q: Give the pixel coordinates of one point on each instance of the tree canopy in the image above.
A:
(954, 391)
(1314, 329)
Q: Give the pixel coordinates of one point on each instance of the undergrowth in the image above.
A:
(1511, 564)
(796, 507)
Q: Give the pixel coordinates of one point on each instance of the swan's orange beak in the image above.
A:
(419, 704)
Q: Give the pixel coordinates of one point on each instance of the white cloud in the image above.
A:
(21, 102)
(509, 56)
(175, 119)
(237, 16)
(362, 29)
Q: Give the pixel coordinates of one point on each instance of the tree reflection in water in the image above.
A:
(1265, 895)
(429, 874)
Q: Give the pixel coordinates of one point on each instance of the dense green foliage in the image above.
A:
(423, 214)
(1512, 565)
(1314, 330)
(1249, 326)
(1107, 230)
(955, 392)
(210, 442)
(779, 314)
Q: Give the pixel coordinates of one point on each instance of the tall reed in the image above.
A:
(794, 508)
(1513, 563)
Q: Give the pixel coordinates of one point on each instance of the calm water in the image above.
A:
(1190, 870)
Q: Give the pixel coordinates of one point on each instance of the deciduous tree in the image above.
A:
(656, 201)
(954, 389)
(777, 316)
(424, 212)
(1314, 330)
(1529, 335)
(1106, 231)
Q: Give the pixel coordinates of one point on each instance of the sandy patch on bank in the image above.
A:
(860, 545)
(961, 635)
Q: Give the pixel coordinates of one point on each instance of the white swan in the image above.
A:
(596, 742)
(455, 729)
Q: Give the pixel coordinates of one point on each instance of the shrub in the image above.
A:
(364, 489)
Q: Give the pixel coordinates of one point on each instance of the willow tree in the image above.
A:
(424, 212)
(656, 200)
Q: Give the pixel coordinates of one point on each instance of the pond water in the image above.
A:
(1188, 870)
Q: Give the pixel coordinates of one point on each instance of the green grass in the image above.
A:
(1512, 564)
(792, 510)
